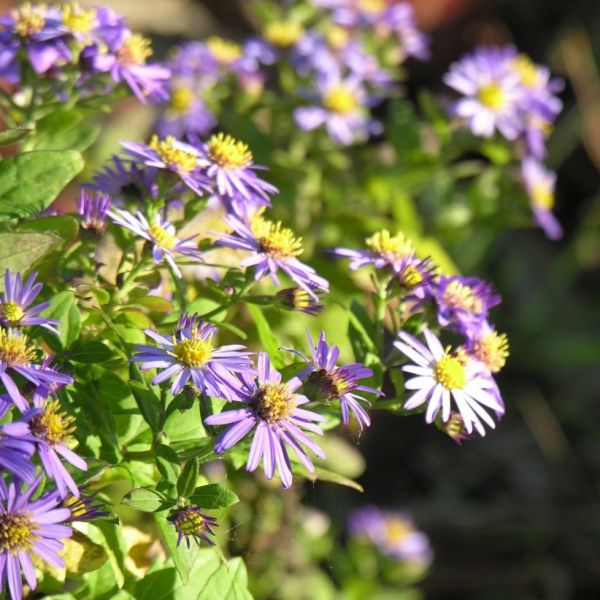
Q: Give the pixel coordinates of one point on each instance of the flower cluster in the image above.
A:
(43, 428)
(456, 304)
(78, 50)
(504, 91)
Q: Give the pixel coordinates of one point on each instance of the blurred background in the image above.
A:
(514, 515)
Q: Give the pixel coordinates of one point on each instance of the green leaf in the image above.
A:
(153, 303)
(146, 500)
(213, 496)
(64, 226)
(30, 182)
(167, 463)
(268, 339)
(11, 136)
(321, 474)
(360, 331)
(148, 403)
(188, 478)
(20, 251)
(91, 351)
(63, 307)
(64, 131)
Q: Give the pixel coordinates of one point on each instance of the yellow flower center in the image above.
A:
(492, 96)
(274, 402)
(371, 7)
(227, 152)
(11, 312)
(188, 521)
(29, 19)
(458, 295)
(283, 33)
(492, 350)
(182, 99)
(172, 156)
(275, 240)
(340, 99)
(13, 349)
(526, 70)
(16, 533)
(52, 425)
(162, 238)
(542, 196)
(384, 243)
(397, 529)
(454, 427)
(77, 506)
(135, 50)
(337, 37)
(450, 373)
(78, 19)
(223, 51)
(193, 352)
(411, 277)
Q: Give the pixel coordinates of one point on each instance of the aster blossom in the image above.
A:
(15, 450)
(272, 409)
(29, 528)
(160, 233)
(16, 300)
(93, 208)
(273, 247)
(441, 377)
(190, 522)
(324, 380)
(191, 356)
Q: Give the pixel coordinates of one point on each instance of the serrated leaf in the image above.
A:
(30, 182)
(146, 500)
(213, 496)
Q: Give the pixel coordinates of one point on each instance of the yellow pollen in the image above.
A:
(182, 99)
(193, 352)
(135, 50)
(274, 402)
(411, 277)
(454, 427)
(13, 348)
(526, 70)
(340, 99)
(275, 240)
(162, 238)
(337, 37)
(77, 507)
(450, 373)
(227, 152)
(382, 242)
(223, 51)
(78, 19)
(542, 196)
(172, 156)
(189, 522)
(52, 425)
(371, 7)
(492, 96)
(458, 295)
(283, 33)
(29, 19)
(16, 533)
(11, 312)
(492, 350)
(397, 529)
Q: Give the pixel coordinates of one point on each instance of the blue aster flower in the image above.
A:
(15, 449)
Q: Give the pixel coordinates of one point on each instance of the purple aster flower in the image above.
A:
(324, 381)
(190, 355)
(190, 522)
(83, 507)
(16, 356)
(489, 347)
(441, 377)
(27, 529)
(273, 410)
(463, 302)
(161, 234)
(229, 164)
(342, 110)
(93, 208)
(393, 533)
(15, 301)
(273, 247)
(400, 19)
(50, 428)
(171, 155)
(296, 298)
(539, 184)
(15, 449)
(492, 92)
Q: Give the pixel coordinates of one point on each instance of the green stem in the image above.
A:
(381, 299)
(129, 281)
(239, 297)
